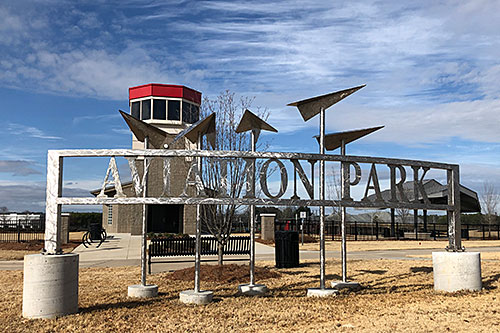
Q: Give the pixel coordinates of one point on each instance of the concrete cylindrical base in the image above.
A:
(318, 292)
(455, 271)
(147, 291)
(50, 285)
(193, 297)
(252, 289)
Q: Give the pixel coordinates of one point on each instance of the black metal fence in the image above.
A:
(23, 228)
(357, 230)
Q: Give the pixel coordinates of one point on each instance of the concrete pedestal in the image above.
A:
(193, 297)
(140, 291)
(252, 289)
(267, 226)
(318, 292)
(50, 287)
(455, 271)
(351, 285)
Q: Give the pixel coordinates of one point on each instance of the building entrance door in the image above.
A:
(165, 218)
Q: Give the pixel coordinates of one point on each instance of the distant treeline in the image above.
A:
(81, 221)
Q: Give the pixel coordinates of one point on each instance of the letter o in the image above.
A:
(263, 178)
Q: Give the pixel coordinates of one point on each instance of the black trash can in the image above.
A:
(95, 231)
(286, 248)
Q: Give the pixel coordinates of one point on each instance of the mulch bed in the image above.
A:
(33, 246)
(225, 273)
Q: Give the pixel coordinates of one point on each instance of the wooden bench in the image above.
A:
(174, 247)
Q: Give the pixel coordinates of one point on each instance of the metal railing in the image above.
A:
(21, 229)
(358, 230)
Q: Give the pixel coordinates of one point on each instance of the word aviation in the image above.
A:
(195, 180)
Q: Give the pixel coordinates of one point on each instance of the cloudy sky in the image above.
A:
(431, 70)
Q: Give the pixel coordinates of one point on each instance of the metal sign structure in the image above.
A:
(55, 199)
(315, 195)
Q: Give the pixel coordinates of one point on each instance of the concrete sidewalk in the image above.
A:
(125, 250)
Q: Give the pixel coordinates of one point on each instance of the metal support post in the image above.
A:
(144, 240)
(197, 255)
(252, 218)
(322, 197)
(344, 184)
(454, 225)
(415, 222)
(52, 209)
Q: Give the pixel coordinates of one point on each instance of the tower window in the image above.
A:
(195, 113)
(159, 109)
(136, 110)
(174, 110)
(146, 109)
(186, 112)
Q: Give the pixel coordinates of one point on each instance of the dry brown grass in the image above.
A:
(398, 297)
(394, 245)
(17, 251)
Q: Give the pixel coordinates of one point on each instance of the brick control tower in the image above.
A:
(171, 108)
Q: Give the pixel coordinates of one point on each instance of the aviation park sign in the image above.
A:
(298, 161)
(257, 167)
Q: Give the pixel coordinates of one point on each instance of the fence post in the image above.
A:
(333, 230)
(18, 231)
(434, 226)
(397, 230)
(355, 230)
(482, 226)
(376, 229)
(468, 237)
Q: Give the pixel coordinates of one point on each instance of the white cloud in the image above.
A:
(29, 131)
(18, 168)
(471, 120)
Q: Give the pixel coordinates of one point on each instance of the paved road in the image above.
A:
(124, 250)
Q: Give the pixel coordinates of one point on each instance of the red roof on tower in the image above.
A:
(164, 90)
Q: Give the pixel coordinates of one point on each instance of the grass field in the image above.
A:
(394, 245)
(398, 296)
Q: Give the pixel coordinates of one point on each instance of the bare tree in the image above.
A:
(490, 198)
(225, 177)
(403, 214)
(3, 210)
(333, 190)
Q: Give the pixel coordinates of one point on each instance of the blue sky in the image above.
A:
(431, 70)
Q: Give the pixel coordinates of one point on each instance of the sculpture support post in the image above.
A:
(322, 198)
(143, 290)
(144, 240)
(344, 186)
(197, 255)
(252, 218)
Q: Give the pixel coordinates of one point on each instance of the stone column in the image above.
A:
(267, 226)
(64, 228)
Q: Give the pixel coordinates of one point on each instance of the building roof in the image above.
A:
(164, 90)
(437, 194)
